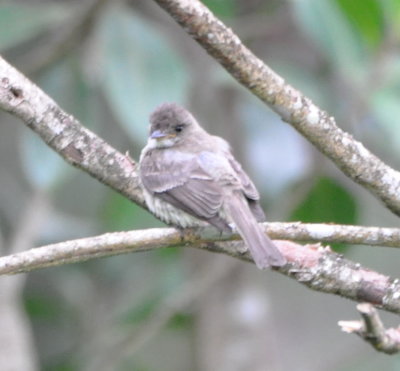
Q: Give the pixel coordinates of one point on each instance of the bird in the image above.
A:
(191, 179)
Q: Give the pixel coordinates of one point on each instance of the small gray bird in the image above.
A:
(190, 178)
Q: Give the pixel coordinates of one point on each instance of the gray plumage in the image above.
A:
(190, 178)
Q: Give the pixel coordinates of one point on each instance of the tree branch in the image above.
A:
(318, 269)
(312, 265)
(335, 233)
(142, 240)
(313, 123)
(371, 329)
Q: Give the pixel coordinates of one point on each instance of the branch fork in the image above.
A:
(372, 330)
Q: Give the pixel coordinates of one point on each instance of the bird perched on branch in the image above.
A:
(190, 178)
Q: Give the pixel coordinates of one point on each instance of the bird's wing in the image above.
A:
(181, 180)
(249, 190)
(248, 187)
(241, 178)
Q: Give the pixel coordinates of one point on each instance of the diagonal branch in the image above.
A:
(312, 265)
(313, 123)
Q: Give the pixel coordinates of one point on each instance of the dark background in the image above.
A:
(109, 63)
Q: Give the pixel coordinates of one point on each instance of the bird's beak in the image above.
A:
(157, 134)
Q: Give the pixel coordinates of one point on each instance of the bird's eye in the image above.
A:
(179, 128)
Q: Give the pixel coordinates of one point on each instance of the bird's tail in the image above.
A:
(262, 249)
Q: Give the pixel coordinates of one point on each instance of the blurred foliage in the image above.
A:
(22, 22)
(41, 305)
(222, 8)
(143, 311)
(327, 202)
(64, 82)
(181, 320)
(118, 213)
(342, 53)
(334, 35)
(138, 68)
(367, 18)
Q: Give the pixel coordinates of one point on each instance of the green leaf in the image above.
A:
(140, 69)
(43, 307)
(367, 17)
(326, 202)
(22, 22)
(221, 8)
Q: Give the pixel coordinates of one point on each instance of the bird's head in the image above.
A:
(170, 124)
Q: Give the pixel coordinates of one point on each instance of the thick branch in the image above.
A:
(371, 329)
(312, 265)
(312, 122)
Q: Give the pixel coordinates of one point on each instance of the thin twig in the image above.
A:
(371, 329)
(141, 240)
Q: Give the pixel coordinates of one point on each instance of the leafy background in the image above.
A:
(180, 309)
